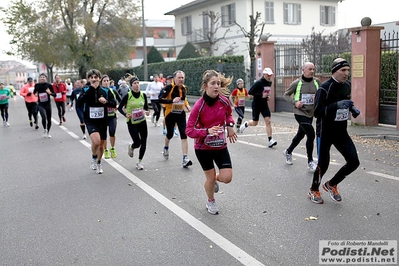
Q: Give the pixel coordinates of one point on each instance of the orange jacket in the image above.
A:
(28, 88)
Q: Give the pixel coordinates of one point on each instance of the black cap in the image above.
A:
(30, 79)
(169, 77)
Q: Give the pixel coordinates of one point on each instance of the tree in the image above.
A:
(154, 56)
(188, 51)
(254, 33)
(73, 33)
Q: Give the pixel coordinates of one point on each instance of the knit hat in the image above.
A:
(338, 64)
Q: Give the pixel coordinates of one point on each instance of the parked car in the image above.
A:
(143, 87)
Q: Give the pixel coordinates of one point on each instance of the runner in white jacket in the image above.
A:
(153, 90)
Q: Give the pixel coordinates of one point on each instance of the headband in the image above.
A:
(339, 65)
(133, 80)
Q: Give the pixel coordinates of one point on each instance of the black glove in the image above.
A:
(355, 112)
(29, 94)
(344, 104)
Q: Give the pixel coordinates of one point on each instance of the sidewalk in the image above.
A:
(378, 132)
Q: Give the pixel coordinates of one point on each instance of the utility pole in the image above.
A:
(144, 43)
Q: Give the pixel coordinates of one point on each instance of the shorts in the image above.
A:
(257, 110)
(100, 128)
(207, 158)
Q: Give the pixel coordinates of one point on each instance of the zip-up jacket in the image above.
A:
(257, 89)
(60, 90)
(28, 89)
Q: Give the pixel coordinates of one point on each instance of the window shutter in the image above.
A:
(233, 13)
(189, 28)
(322, 15)
(271, 12)
(333, 16)
(299, 14)
(182, 27)
(223, 15)
(285, 13)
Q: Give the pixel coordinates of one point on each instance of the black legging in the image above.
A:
(157, 109)
(61, 109)
(32, 110)
(4, 111)
(180, 119)
(305, 128)
(138, 133)
(344, 144)
(45, 113)
(240, 110)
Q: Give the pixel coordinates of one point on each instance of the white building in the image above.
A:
(287, 21)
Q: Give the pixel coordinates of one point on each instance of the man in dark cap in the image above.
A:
(332, 108)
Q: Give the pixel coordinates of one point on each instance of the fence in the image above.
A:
(389, 68)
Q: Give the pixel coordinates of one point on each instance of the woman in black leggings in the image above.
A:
(44, 90)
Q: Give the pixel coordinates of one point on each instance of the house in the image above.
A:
(286, 21)
(16, 73)
(160, 34)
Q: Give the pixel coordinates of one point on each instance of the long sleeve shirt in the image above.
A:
(27, 92)
(41, 92)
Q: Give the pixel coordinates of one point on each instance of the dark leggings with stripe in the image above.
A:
(139, 133)
(344, 144)
(305, 128)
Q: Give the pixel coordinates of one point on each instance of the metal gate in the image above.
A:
(389, 78)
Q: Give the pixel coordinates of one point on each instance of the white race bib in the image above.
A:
(58, 95)
(3, 96)
(96, 112)
(177, 108)
(241, 101)
(31, 89)
(266, 89)
(307, 99)
(137, 114)
(215, 141)
(342, 115)
(43, 96)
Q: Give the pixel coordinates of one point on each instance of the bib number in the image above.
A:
(137, 114)
(307, 99)
(111, 110)
(342, 115)
(216, 141)
(266, 89)
(31, 89)
(96, 112)
(3, 97)
(58, 95)
(241, 101)
(43, 97)
(177, 108)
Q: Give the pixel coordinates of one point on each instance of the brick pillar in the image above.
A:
(365, 73)
(397, 101)
(265, 58)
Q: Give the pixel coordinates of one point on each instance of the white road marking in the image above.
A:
(383, 175)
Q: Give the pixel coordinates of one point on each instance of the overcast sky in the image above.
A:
(350, 13)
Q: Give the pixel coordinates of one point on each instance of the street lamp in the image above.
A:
(144, 43)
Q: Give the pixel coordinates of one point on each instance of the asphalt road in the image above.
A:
(54, 210)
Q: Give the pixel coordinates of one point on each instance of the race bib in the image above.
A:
(3, 96)
(216, 141)
(96, 112)
(177, 108)
(43, 96)
(111, 110)
(342, 115)
(266, 89)
(137, 114)
(58, 95)
(307, 99)
(241, 101)
(31, 89)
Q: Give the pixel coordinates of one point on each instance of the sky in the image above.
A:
(350, 13)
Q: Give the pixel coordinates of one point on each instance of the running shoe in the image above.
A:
(272, 143)
(44, 133)
(99, 169)
(315, 196)
(176, 133)
(48, 135)
(333, 191)
(216, 189)
(164, 131)
(211, 207)
(113, 152)
(288, 157)
(153, 119)
(106, 154)
(130, 151)
(312, 166)
(36, 126)
(139, 166)
(165, 153)
(186, 162)
(60, 124)
(84, 136)
(243, 127)
(31, 123)
(7, 124)
(63, 119)
(93, 164)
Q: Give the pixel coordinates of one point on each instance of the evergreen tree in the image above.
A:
(154, 56)
(188, 51)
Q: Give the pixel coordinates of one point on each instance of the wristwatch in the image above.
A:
(230, 124)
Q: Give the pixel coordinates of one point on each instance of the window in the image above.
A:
(228, 15)
(186, 26)
(205, 20)
(292, 13)
(163, 34)
(327, 15)
(269, 12)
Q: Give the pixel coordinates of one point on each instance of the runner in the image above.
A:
(69, 86)
(332, 107)
(260, 90)
(174, 98)
(304, 90)
(30, 101)
(134, 107)
(237, 99)
(210, 118)
(60, 97)
(43, 90)
(79, 109)
(153, 89)
(95, 101)
(5, 94)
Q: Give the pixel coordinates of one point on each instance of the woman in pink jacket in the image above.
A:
(210, 122)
